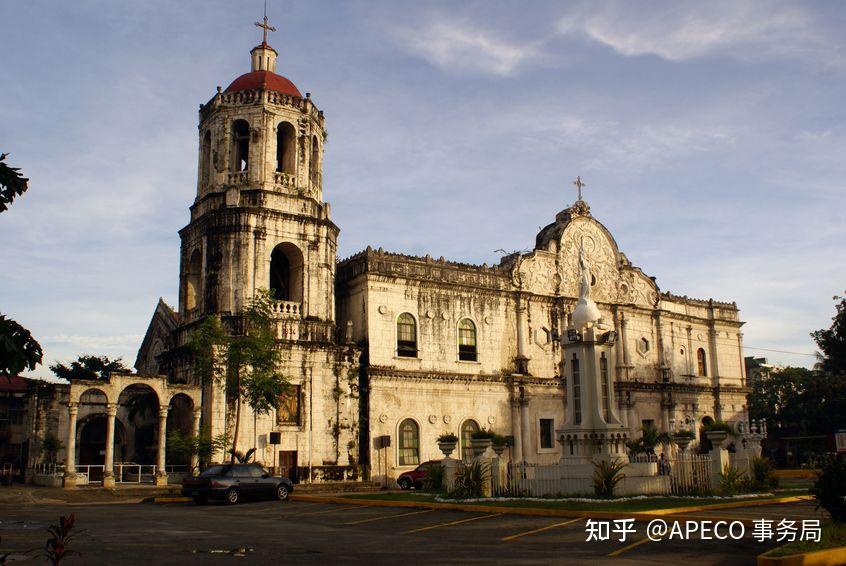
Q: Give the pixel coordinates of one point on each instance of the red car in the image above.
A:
(414, 478)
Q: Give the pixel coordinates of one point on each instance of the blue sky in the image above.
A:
(710, 135)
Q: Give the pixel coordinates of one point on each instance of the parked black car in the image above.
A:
(234, 482)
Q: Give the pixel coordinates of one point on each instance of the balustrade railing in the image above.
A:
(286, 180)
(288, 309)
(238, 177)
(305, 330)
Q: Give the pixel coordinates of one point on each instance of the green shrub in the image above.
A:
(733, 480)
(499, 440)
(606, 476)
(469, 481)
(481, 434)
(830, 487)
(434, 478)
(447, 437)
(763, 477)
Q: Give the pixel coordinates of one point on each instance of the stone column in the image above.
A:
(109, 464)
(522, 361)
(524, 428)
(161, 474)
(69, 479)
(517, 449)
(195, 458)
(625, 343)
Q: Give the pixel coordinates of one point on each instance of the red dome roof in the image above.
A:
(266, 80)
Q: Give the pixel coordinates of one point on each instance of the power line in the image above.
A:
(778, 351)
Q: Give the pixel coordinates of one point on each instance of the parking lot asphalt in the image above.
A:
(297, 532)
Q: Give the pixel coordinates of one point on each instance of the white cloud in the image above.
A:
(458, 47)
(680, 31)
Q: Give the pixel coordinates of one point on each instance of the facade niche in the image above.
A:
(286, 273)
(206, 160)
(192, 281)
(240, 145)
(312, 163)
(702, 366)
(285, 148)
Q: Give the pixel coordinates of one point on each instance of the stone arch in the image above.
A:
(240, 146)
(286, 148)
(468, 427)
(180, 418)
(206, 159)
(193, 277)
(287, 270)
(141, 403)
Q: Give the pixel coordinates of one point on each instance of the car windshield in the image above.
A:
(215, 471)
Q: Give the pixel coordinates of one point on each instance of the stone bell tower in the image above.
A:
(259, 219)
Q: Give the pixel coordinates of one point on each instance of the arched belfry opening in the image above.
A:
(192, 281)
(205, 160)
(313, 167)
(286, 150)
(240, 145)
(286, 273)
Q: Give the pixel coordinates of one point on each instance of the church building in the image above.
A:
(387, 351)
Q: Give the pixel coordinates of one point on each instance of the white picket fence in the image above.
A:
(684, 475)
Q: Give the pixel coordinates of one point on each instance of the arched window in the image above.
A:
(286, 149)
(700, 361)
(467, 341)
(192, 281)
(467, 429)
(577, 390)
(409, 443)
(406, 336)
(240, 145)
(206, 161)
(313, 167)
(286, 273)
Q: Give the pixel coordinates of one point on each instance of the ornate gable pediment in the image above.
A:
(552, 269)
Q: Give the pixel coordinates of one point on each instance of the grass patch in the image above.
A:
(637, 505)
(833, 535)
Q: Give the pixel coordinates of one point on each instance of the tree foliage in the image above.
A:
(88, 367)
(832, 341)
(18, 349)
(649, 439)
(12, 183)
(247, 364)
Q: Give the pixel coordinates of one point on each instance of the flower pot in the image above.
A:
(447, 448)
(717, 437)
(480, 445)
(682, 442)
(498, 449)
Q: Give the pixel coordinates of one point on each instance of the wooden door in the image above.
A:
(288, 464)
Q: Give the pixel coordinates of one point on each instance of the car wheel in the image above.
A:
(200, 500)
(282, 492)
(232, 496)
(404, 483)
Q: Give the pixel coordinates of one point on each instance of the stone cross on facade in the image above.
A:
(578, 182)
(264, 25)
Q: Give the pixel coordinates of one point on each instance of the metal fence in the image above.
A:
(690, 474)
(125, 472)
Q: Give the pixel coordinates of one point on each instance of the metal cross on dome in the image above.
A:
(265, 26)
(579, 184)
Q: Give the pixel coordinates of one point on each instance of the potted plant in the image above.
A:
(447, 443)
(683, 438)
(498, 444)
(480, 441)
